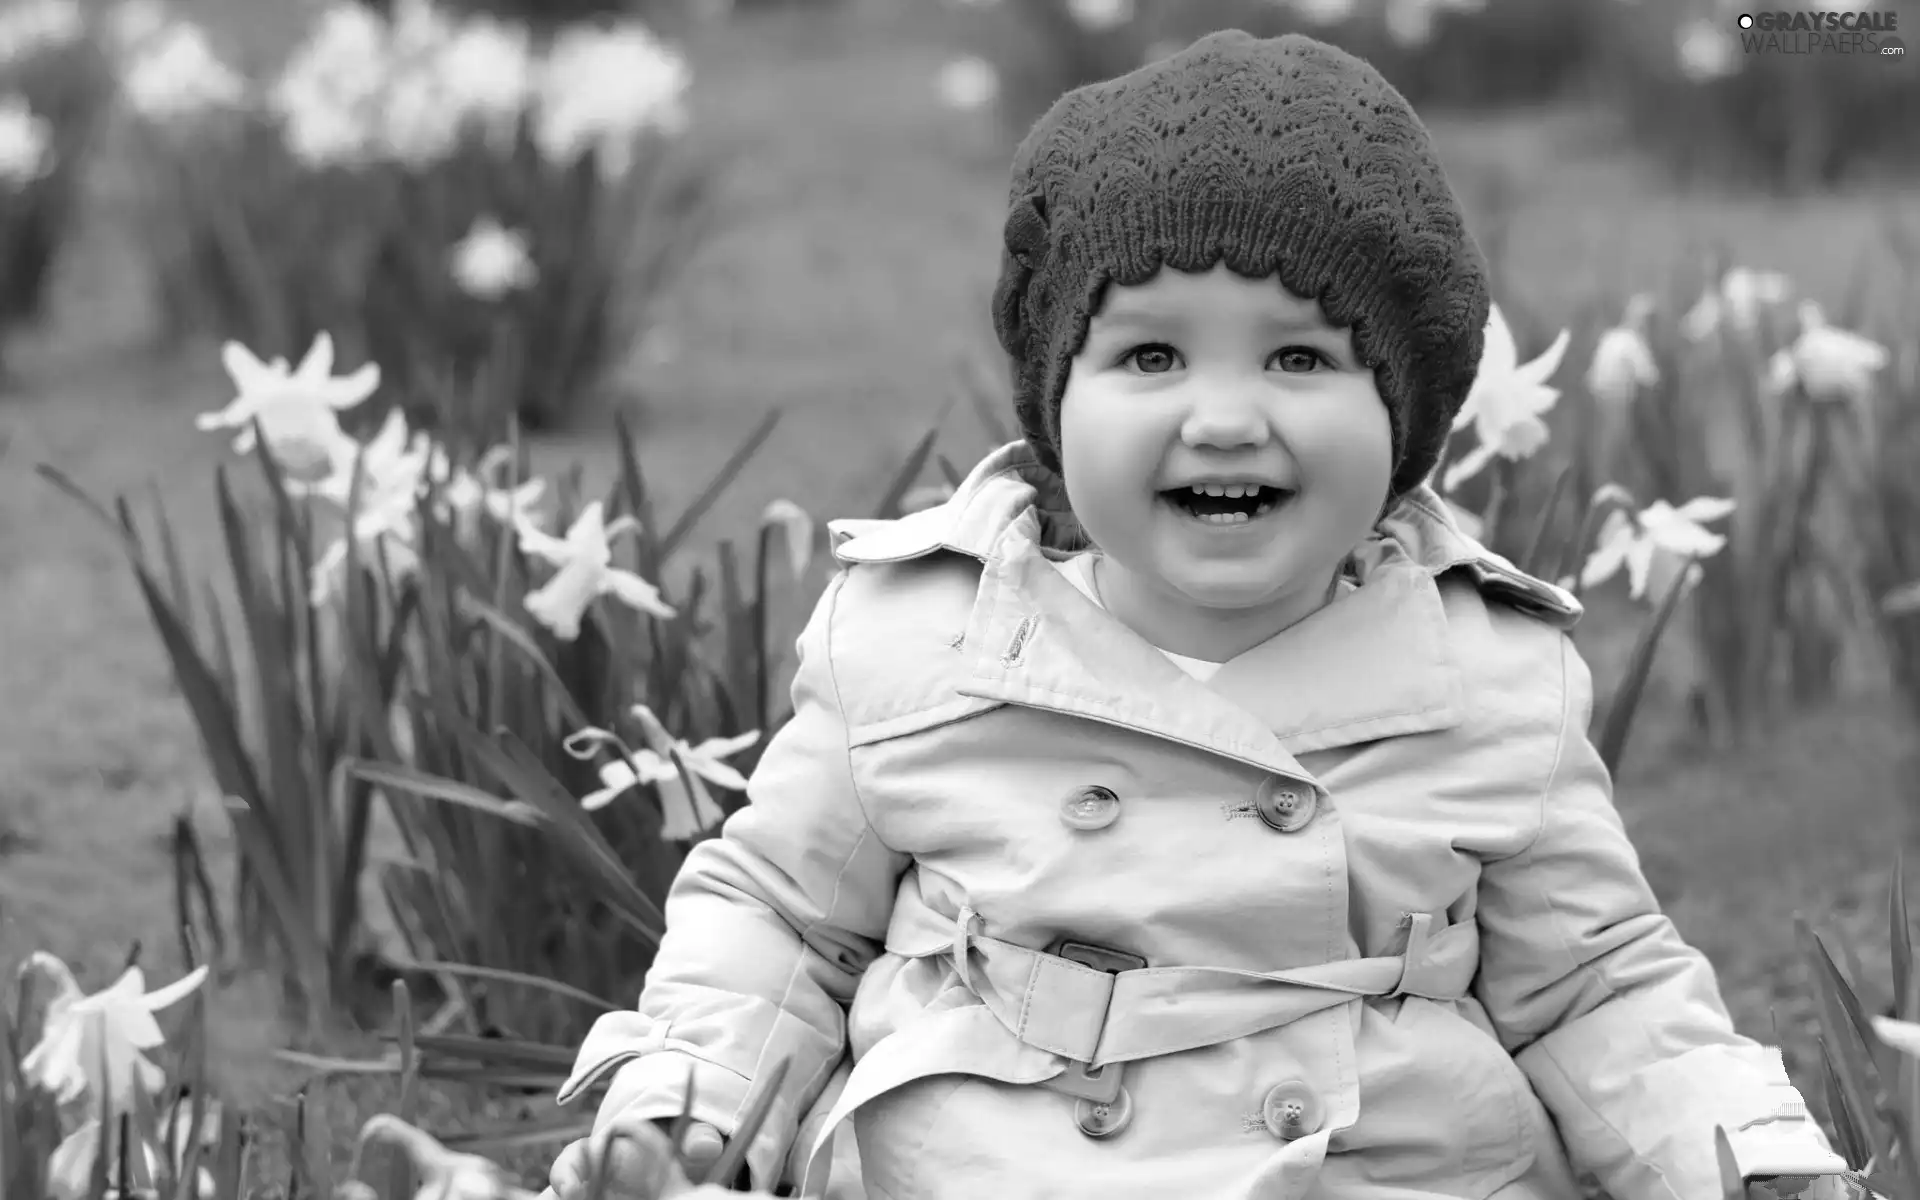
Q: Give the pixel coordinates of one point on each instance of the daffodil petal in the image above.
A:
(656, 735)
(616, 779)
(1604, 563)
(318, 362)
(350, 390)
(717, 772)
(70, 1166)
(245, 370)
(726, 747)
(797, 526)
(589, 530)
(1702, 509)
(1639, 556)
(654, 768)
(1522, 438)
(541, 544)
(1500, 355)
(618, 774)
(637, 593)
(1702, 319)
(1690, 540)
(66, 989)
(583, 743)
(1903, 1036)
(564, 600)
(176, 991)
(686, 815)
(1541, 368)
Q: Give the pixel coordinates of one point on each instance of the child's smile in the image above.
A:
(1227, 505)
(1226, 449)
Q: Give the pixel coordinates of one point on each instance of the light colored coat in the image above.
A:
(1437, 972)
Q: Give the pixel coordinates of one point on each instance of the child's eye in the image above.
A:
(1152, 359)
(1298, 360)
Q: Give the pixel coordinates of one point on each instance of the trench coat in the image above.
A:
(1036, 913)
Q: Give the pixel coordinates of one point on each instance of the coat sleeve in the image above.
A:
(1616, 1021)
(768, 929)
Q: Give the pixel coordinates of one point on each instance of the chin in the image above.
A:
(1225, 590)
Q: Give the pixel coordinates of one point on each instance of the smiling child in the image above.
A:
(1188, 807)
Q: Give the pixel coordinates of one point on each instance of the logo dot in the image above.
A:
(1746, 20)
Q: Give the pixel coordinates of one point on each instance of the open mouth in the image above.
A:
(1226, 504)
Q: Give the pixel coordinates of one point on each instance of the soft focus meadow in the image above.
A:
(420, 424)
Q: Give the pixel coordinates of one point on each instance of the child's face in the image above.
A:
(1227, 382)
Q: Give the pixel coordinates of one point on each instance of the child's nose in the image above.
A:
(1225, 415)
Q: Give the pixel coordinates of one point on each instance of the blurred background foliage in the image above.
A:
(1674, 76)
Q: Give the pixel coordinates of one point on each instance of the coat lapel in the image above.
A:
(1377, 662)
(1033, 639)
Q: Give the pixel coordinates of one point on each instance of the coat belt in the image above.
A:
(1052, 1006)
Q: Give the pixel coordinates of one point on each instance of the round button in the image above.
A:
(1292, 1110)
(1285, 805)
(1098, 1120)
(1090, 807)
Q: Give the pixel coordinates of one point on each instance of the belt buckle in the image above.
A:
(1101, 1085)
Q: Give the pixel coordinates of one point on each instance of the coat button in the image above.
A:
(1291, 1110)
(1285, 805)
(1098, 1120)
(1090, 807)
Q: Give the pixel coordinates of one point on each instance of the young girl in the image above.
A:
(1187, 807)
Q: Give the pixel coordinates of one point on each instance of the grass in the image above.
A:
(850, 278)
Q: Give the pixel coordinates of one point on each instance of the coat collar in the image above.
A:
(1377, 662)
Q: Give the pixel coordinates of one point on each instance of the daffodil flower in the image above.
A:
(298, 410)
(1831, 364)
(1735, 303)
(29, 28)
(463, 494)
(967, 83)
(585, 559)
(96, 1044)
(600, 87)
(492, 260)
(797, 526)
(1324, 12)
(1622, 361)
(1705, 50)
(392, 466)
(685, 816)
(1100, 16)
(392, 462)
(1659, 537)
(1506, 401)
(384, 532)
(175, 75)
(26, 142)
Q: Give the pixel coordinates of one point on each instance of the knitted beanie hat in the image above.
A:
(1281, 156)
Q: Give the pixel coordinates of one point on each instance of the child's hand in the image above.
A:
(636, 1158)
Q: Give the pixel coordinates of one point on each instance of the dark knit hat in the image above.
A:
(1284, 156)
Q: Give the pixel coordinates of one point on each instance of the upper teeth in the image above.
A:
(1225, 489)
